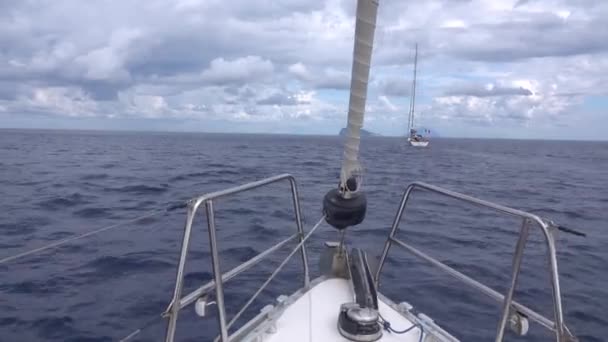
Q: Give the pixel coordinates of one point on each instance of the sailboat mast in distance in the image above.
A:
(410, 117)
(414, 89)
(414, 138)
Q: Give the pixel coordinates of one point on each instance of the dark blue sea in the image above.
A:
(55, 184)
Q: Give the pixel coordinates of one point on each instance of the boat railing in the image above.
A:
(178, 302)
(509, 306)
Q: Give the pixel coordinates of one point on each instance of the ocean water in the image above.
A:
(55, 184)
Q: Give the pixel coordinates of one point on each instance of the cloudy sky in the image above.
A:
(487, 68)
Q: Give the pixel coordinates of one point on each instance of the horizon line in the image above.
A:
(279, 134)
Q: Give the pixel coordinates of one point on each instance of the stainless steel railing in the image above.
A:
(178, 302)
(561, 332)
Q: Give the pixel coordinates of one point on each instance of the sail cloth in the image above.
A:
(365, 27)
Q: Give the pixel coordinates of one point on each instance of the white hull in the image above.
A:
(313, 316)
(419, 143)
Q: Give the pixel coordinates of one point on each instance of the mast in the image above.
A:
(346, 206)
(413, 99)
(409, 113)
(365, 28)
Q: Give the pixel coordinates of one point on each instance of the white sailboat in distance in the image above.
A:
(414, 138)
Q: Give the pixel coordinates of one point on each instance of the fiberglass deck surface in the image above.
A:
(314, 317)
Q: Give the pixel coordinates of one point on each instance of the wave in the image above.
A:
(54, 325)
(53, 285)
(111, 267)
(25, 226)
(58, 203)
(107, 286)
(95, 176)
(141, 189)
(93, 212)
(188, 176)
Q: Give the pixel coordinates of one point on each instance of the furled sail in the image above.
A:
(362, 54)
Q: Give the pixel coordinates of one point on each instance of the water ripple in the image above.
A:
(74, 293)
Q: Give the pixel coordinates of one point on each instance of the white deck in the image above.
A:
(314, 317)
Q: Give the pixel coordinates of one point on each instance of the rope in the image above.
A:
(387, 326)
(146, 325)
(92, 232)
(276, 271)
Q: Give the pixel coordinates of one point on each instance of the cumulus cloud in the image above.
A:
(488, 90)
(66, 101)
(106, 62)
(300, 71)
(328, 78)
(491, 105)
(480, 61)
(240, 70)
(284, 99)
(395, 86)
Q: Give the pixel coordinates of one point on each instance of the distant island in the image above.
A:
(364, 133)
